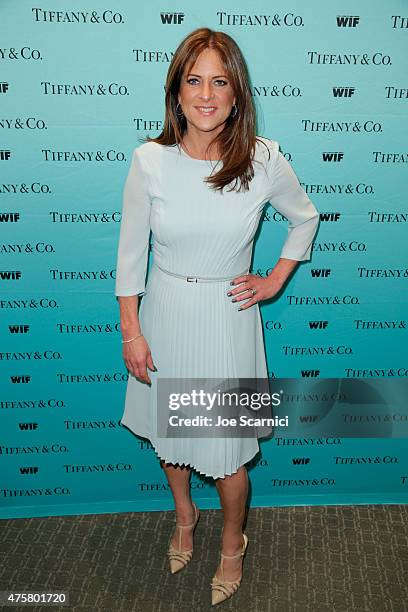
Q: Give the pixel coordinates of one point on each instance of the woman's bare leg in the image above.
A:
(233, 492)
(179, 481)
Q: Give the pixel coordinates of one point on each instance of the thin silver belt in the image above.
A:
(201, 279)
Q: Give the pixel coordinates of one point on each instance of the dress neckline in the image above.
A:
(181, 150)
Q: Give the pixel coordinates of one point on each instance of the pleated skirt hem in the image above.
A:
(176, 460)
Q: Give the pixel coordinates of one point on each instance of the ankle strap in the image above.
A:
(232, 556)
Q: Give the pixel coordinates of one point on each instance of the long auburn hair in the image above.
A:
(237, 141)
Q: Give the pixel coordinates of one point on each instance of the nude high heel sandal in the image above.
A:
(223, 589)
(178, 558)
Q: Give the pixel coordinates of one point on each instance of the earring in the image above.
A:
(233, 114)
(177, 113)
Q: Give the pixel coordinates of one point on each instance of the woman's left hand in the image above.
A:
(264, 288)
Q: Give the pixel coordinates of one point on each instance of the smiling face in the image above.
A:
(206, 96)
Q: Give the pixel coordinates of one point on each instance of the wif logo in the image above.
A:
(330, 216)
(308, 418)
(172, 18)
(318, 324)
(347, 21)
(343, 92)
(4, 87)
(19, 329)
(335, 156)
(5, 154)
(10, 275)
(28, 426)
(9, 217)
(22, 379)
(29, 470)
(300, 460)
(320, 273)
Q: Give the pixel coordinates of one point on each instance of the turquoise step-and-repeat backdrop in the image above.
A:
(80, 83)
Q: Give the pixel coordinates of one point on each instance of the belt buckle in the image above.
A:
(192, 279)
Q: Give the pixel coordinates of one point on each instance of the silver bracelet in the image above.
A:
(130, 340)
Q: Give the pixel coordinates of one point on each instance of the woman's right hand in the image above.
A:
(138, 358)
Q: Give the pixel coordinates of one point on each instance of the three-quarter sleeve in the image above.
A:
(287, 196)
(133, 246)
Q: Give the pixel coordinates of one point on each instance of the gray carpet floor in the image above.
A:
(299, 559)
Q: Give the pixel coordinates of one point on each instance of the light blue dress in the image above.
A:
(194, 329)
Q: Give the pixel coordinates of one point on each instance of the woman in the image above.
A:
(201, 187)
